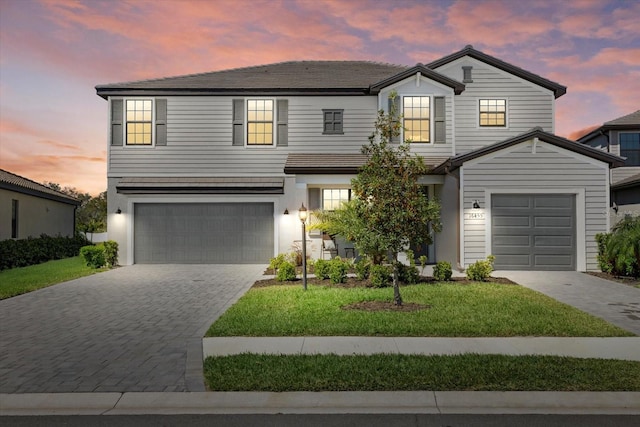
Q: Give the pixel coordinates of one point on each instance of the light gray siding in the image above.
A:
(528, 105)
(199, 138)
(548, 169)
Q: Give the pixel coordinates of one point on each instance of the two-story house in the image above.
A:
(621, 136)
(203, 167)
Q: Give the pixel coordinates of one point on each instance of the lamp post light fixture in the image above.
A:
(302, 214)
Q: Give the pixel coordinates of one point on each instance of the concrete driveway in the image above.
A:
(614, 302)
(136, 328)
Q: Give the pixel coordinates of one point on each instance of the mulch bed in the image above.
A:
(352, 282)
(630, 281)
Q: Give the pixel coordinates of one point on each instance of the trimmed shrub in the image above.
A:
(286, 272)
(277, 261)
(111, 253)
(362, 267)
(30, 251)
(338, 270)
(619, 251)
(321, 269)
(380, 276)
(442, 271)
(481, 269)
(423, 263)
(93, 256)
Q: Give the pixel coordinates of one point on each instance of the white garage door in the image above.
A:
(533, 231)
(203, 233)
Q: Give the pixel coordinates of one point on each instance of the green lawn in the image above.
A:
(252, 372)
(457, 310)
(26, 279)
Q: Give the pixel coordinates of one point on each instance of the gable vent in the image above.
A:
(466, 74)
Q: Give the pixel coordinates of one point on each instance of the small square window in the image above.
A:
(332, 198)
(493, 112)
(332, 122)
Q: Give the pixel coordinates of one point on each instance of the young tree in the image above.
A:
(389, 210)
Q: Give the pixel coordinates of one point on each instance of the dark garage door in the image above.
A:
(533, 231)
(203, 233)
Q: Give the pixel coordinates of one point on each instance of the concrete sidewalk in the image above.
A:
(397, 402)
(626, 348)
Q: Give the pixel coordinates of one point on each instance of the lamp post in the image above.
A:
(302, 214)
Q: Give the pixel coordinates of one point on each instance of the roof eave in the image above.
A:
(557, 89)
(457, 87)
(106, 92)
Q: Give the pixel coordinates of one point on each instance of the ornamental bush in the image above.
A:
(93, 256)
(362, 267)
(286, 272)
(619, 251)
(442, 271)
(338, 270)
(111, 253)
(36, 250)
(481, 269)
(380, 276)
(321, 269)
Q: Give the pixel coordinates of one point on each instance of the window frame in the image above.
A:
(274, 126)
(15, 214)
(479, 115)
(620, 133)
(333, 122)
(126, 122)
(430, 118)
(322, 198)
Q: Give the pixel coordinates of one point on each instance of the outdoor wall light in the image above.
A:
(302, 214)
(286, 211)
(118, 211)
(476, 205)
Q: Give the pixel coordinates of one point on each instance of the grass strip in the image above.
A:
(384, 372)
(21, 280)
(457, 310)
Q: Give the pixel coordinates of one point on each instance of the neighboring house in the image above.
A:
(29, 209)
(621, 136)
(203, 167)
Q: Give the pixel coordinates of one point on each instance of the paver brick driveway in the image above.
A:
(136, 328)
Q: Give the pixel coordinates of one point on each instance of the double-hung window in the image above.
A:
(630, 148)
(416, 112)
(260, 121)
(332, 198)
(139, 121)
(493, 112)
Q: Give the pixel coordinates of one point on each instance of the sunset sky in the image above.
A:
(53, 52)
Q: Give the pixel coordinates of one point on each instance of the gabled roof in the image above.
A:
(557, 89)
(325, 77)
(630, 121)
(17, 183)
(457, 87)
(457, 161)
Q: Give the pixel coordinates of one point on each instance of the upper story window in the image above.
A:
(630, 148)
(332, 198)
(139, 121)
(260, 122)
(332, 121)
(416, 112)
(493, 112)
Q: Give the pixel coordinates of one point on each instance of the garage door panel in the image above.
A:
(209, 233)
(541, 236)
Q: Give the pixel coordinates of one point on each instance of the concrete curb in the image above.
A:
(418, 402)
(624, 348)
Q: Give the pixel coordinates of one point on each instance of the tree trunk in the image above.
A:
(397, 299)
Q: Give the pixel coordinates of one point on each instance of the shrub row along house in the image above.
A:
(201, 168)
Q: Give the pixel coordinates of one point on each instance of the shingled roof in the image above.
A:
(628, 122)
(17, 183)
(344, 77)
(309, 77)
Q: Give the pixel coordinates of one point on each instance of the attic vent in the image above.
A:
(466, 74)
